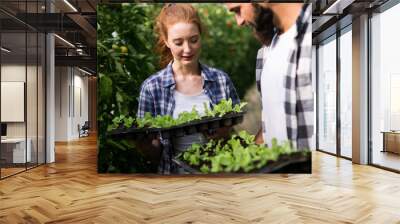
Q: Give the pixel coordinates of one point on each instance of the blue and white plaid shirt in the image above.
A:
(157, 91)
(299, 97)
(157, 98)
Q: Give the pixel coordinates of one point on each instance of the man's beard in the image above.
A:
(263, 25)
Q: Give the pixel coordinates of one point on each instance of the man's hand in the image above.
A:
(259, 137)
(218, 133)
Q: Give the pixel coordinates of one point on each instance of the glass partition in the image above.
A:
(32, 96)
(22, 90)
(346, 92)
(385, 89)
(327, 95)
(41, 86)
(13, 109)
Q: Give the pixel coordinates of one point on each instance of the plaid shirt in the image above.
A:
(299, 98)
(157, 91)
(157, 98)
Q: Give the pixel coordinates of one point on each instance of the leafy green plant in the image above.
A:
(237, 154)
(125, 58)
(121, 120)
(185, 116)
(224, 107)
(166, 121)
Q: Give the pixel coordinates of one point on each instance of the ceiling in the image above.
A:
(75, 22)
(72, 20)
(332, 15)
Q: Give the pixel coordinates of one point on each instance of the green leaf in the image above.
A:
(118, 97)
(105, 87)
(204, 169)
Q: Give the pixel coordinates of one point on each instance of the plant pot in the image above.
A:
(228, 122)
(192, 127)
(191, 130)
(179, 132)
(214, 124)
(297, 162)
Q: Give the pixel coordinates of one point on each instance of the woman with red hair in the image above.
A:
(184, 82)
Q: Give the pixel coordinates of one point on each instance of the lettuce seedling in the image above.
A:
(239, 153)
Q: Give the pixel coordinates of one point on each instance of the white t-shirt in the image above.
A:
(186, 102)
(273, 85)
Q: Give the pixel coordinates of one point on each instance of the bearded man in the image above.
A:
(283, 70)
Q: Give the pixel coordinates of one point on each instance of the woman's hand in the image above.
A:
(156, 142)
(150, 147)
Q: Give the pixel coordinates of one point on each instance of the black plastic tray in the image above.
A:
(296, 162)
(192, 127)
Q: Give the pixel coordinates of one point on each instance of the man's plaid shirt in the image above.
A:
(299, 98)
(157, 98)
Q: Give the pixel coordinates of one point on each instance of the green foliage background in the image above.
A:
(126, 57)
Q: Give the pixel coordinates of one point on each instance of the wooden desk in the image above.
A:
(13, 150)
(391, 141)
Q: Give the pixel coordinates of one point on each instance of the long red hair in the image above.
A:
(170, 14)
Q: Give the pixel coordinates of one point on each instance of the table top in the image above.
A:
(13, 140)
(391, 132)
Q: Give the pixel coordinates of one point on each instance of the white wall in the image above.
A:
(62, 81)
(80, 110)
(13, 72)
(71, 87)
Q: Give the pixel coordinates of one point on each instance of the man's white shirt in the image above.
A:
(273, 85)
